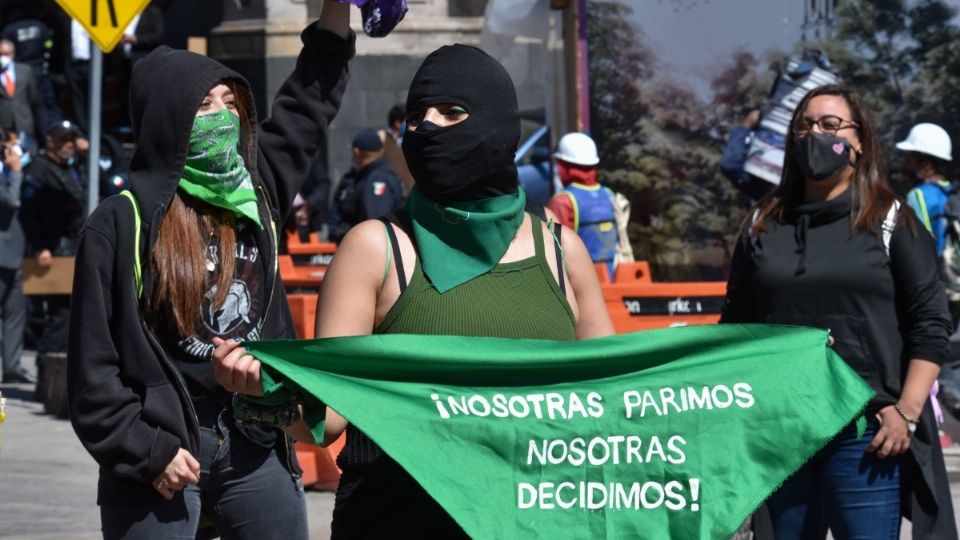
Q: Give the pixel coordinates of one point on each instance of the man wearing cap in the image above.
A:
(53, 212)
(586, 206)
(927, 146)
(368, 191)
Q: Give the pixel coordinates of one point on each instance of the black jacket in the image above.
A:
(54, 206)
(882, 310)
(370, 193)
(128, 403)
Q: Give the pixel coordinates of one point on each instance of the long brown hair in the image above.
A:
(872, 195)
(179, 257)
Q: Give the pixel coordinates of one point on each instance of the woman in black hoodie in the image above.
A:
(189, 259)
(832, 247)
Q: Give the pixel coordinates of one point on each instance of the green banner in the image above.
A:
(674, 433)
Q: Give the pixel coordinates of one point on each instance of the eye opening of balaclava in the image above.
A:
(473, 159)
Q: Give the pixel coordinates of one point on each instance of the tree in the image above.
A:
(904, 57)
(660, 145)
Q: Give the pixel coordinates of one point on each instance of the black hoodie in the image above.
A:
(128, 403)
(882, 309)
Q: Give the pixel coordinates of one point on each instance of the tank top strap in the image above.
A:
(540, 253)
(537, 229)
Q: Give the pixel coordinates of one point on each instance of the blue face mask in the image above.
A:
(71, 161)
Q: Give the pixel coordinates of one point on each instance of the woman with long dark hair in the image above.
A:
(463, 258)
(184, 259)
(833, 247)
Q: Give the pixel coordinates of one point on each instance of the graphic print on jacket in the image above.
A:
(239, 317)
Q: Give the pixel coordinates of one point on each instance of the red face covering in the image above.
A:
(570, 174)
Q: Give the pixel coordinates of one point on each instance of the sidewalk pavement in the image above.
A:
(48, 482)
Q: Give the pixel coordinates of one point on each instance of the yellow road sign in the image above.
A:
(105, 20)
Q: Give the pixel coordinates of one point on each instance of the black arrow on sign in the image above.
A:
(113, 13)
(110, 7)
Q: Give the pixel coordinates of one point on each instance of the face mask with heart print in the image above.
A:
(821, 156)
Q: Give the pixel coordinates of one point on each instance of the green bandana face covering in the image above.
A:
(461, 241)
(214, 171)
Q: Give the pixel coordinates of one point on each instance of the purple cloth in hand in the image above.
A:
(380, 17)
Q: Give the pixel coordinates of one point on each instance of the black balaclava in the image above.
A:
(471, 160)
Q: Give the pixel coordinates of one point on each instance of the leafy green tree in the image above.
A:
(660, 145)
(904, 57)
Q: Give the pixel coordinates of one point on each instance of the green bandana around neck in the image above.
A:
(461, 241)
(672, 433)
(214, 171)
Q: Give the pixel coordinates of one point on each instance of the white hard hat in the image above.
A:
(577, 148)
(929, 139)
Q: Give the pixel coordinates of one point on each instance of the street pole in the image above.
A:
(96, 89)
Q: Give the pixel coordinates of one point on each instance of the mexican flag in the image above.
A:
(674, 433)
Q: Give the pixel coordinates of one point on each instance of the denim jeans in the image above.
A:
(854, 493)
(245, 490)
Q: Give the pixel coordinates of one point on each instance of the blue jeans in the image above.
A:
(245, 490)
(854, 493)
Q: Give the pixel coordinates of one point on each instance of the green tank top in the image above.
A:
(519, 299)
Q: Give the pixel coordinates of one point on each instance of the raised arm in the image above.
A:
(305, 105)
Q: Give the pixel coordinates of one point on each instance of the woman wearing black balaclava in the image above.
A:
(832, 247)
(463, 258)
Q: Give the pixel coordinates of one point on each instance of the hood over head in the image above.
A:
(166, 90)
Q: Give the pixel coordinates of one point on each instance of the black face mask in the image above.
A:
(821, 156)
(426, 127)
(472, 159)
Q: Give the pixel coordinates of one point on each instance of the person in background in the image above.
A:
(584, 205)
(368, 191)
(396, 123)
(734, 158)
(13, 307)
(927, 148)
(316, 195)
(78, 72)
(832, 247)
(153, 296)
(53, 213)
(33, 43)
(19, 99)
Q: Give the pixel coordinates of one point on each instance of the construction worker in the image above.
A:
(586, 206)
(927, 146)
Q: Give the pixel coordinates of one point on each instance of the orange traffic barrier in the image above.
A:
(603, 275)
(312, 247)
(319, 464)
(303, 308)
(633, 272)
(300, 277)
(636, 302)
